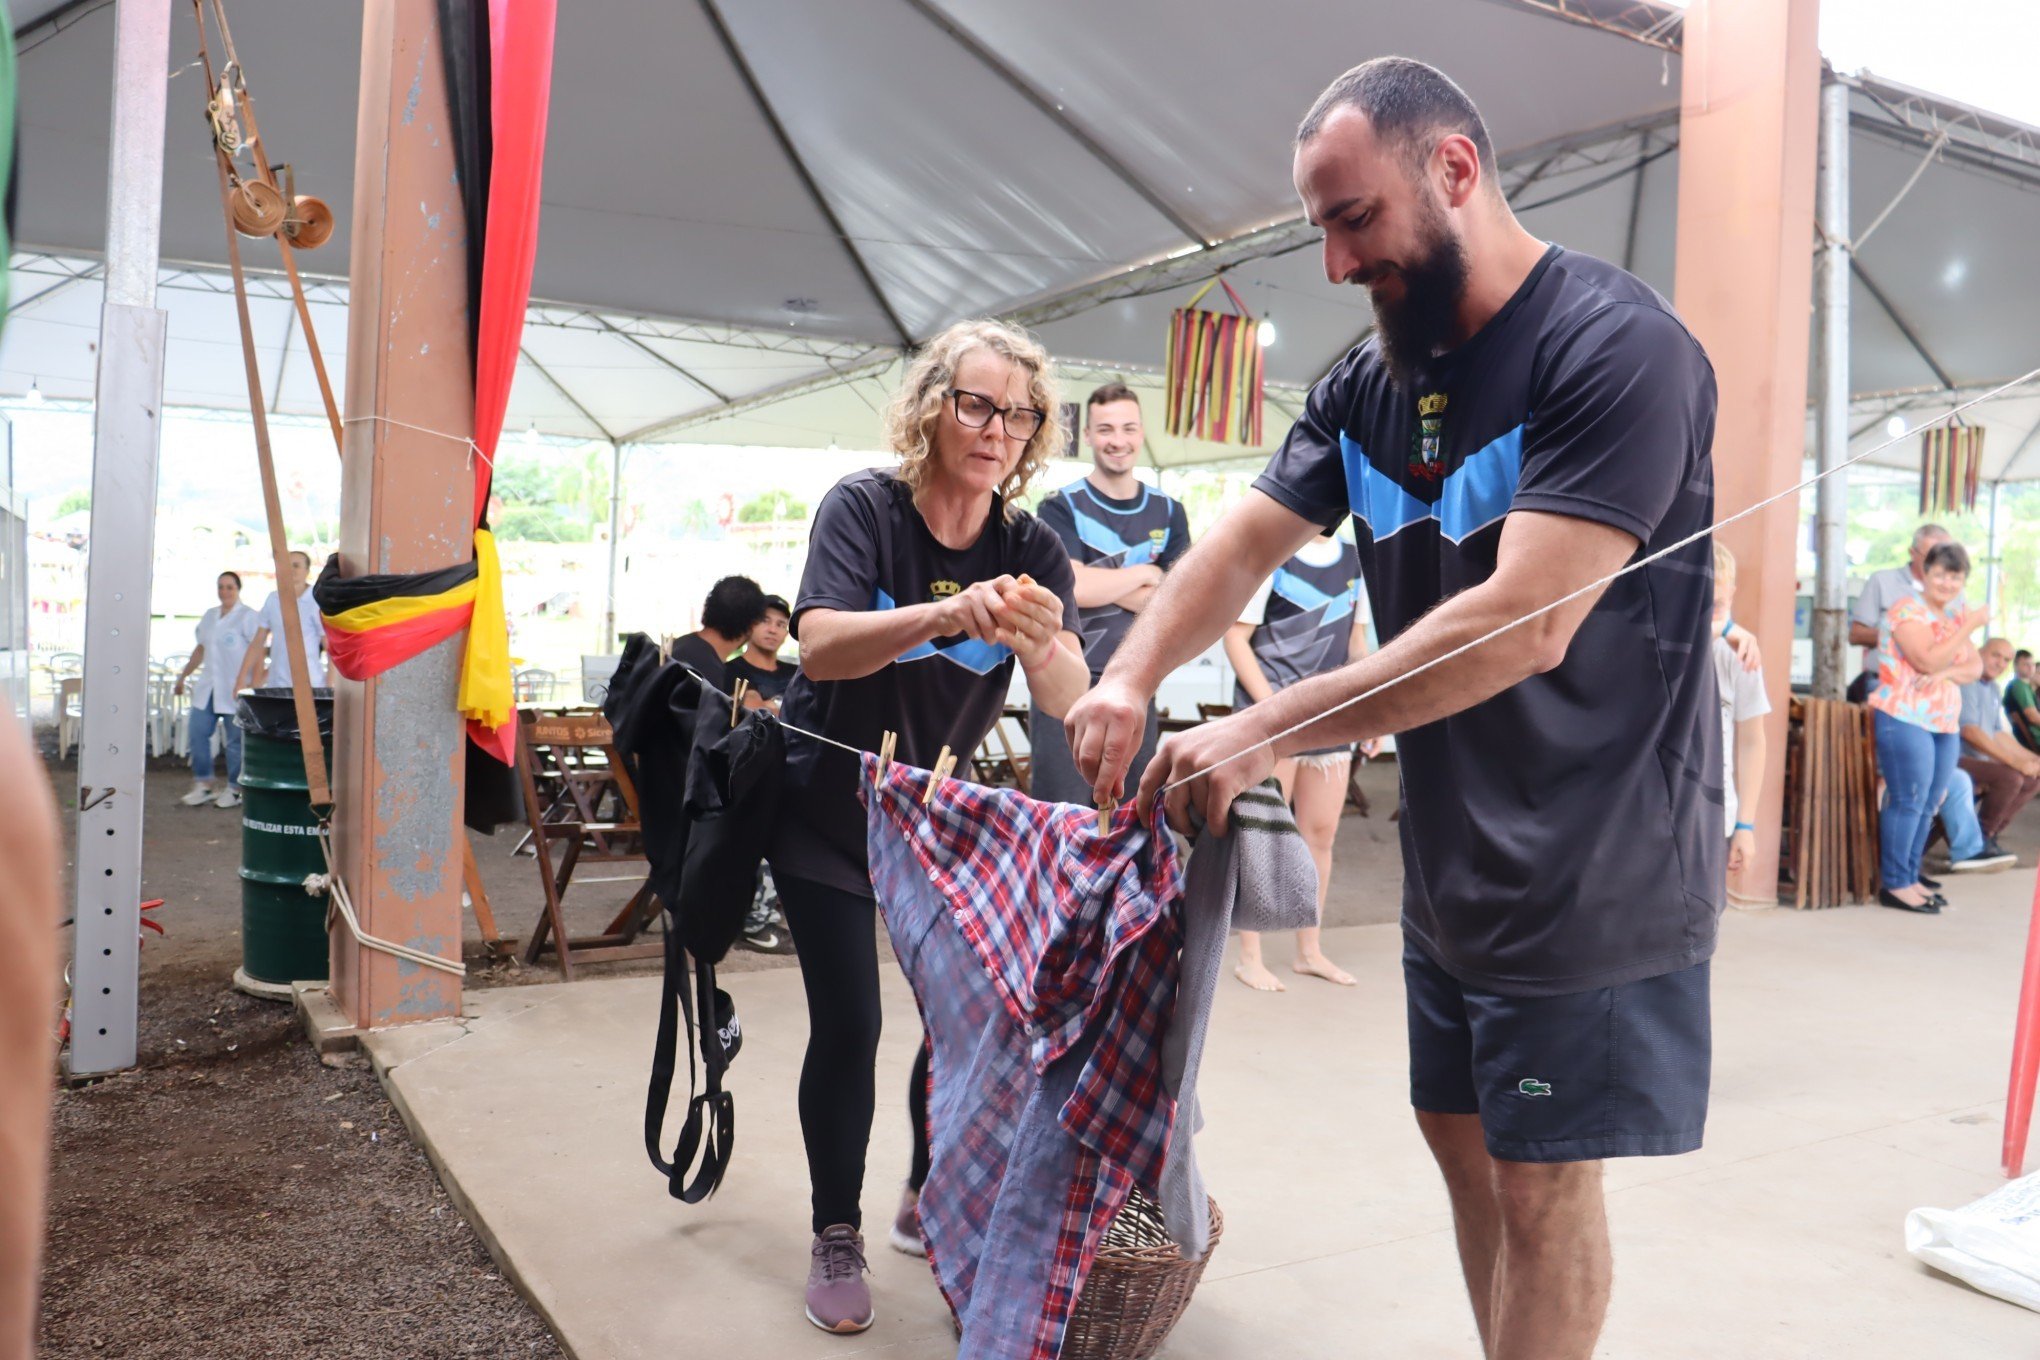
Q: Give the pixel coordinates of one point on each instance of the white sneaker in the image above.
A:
(1983, 862)
(200, 795)
(230, 797)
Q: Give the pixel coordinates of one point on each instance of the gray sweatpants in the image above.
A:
(1055, 778)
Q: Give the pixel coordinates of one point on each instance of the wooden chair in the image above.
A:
(1206, 712)
(583, 810)
(1000, 762)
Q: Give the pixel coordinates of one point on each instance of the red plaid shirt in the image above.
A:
(1043, 956)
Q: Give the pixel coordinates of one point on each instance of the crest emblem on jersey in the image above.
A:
(1157, 536)
(1430, 436)
(942, 590)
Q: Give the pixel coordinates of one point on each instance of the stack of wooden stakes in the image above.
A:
(1830, 852)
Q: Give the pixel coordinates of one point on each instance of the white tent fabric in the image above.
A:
(748, 199)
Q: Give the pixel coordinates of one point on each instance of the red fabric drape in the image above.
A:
(521, 55)
(521, 52)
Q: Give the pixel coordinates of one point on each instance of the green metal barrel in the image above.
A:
(283, 929)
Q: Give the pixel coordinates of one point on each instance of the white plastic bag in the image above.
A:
(1993, 1244)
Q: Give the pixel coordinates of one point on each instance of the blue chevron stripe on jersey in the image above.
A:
(1479, 491)
(971, 654)
(1378, 500)
(1103, 538)
(1472, 496)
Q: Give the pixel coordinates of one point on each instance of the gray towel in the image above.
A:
(1258, 877)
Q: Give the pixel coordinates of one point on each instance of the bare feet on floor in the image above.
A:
(1255, 974)
(1318, 966)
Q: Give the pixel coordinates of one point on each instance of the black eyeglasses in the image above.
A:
(976, 410)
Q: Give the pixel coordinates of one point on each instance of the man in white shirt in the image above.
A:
(268, 661)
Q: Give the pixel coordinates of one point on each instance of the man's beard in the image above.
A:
(1423, 322)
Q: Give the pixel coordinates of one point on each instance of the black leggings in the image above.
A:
(835, 933)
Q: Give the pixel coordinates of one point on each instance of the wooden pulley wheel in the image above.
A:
(257, 209)
(310, 224)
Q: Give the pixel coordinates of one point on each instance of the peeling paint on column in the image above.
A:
(415, 812)
(416, 92)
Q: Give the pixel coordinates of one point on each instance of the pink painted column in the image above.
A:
(1748, 138)
(406, 498)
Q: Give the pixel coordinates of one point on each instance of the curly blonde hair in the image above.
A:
(911, 415)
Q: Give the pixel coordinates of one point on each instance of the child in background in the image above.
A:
(1743, 706)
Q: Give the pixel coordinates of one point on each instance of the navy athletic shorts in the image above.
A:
(1614, 1072)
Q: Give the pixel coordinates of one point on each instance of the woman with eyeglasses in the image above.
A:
(923, 589)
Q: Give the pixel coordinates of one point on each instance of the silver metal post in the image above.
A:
(126, 438)
(1990, 558)
(1831, 671)
(606, 644)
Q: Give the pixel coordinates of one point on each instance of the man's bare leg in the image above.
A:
(1533, 1244)
(1552, 1295)
(1461, 1153)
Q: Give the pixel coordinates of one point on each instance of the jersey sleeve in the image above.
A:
(1055, 512)
(1308, 473)
(1255, 611)
(1179, 537)
(1621, 415)
(842, 561)
(1044, 556)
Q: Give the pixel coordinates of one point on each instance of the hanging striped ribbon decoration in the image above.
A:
(1951, 468)
(1213, 385)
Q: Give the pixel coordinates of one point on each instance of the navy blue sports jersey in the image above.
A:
(1306, 626)
(1565, 834)
(1104, 531)
(870, 549)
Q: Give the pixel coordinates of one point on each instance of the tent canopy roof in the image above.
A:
(812, 185)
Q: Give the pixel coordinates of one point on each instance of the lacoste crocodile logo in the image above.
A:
(1530, 1086)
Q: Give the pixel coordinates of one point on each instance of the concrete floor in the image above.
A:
(1861, 1059)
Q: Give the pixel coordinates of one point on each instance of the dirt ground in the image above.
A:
(232, 1197)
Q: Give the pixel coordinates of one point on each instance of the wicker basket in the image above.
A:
(1138, 1287)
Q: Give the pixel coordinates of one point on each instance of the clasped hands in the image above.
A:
(1019, 612)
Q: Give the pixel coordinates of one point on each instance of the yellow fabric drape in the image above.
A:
(485, 691)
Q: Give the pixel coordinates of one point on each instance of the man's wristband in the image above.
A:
(1727, 627)
(1744, 826)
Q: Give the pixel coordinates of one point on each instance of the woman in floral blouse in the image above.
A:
(1924, 656)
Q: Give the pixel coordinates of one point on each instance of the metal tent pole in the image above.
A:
(1831, 280)
(607, 642)
(1990, 557)
(126, 438)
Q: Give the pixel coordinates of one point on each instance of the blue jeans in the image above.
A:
(1958, 817)
(203, 720)
(1916, 765)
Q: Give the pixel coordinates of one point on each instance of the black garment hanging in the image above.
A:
(708, 795)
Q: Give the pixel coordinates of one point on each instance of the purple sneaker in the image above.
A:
(838, 1300)
(906, 1225)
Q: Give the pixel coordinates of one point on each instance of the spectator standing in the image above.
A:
(2004, 772)
(1883, 590)
(734, 604)
(268, 659)
(1923, 656)
(224, 637)
(758, 665)
(1743, 706)
(1121, 535)
(1304, 621)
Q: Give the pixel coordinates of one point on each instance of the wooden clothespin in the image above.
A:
(1105, 811)
(943, 764)
(887, 744)
(737, 700)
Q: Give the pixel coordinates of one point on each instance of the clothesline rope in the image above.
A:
(1593, 586)
(473, 448)
(1513, 623)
